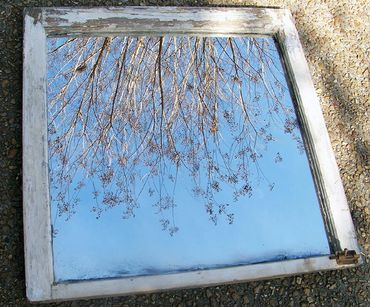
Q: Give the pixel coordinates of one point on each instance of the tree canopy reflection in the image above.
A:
(126, 114)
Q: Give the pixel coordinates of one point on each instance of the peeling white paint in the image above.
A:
(162, 20)
(310, 105)
(154, 21)
(36, 211)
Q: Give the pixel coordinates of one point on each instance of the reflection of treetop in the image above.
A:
(127, 116)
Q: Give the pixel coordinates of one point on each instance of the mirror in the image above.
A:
(175, 153)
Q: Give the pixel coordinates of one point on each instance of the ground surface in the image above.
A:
(335, 38)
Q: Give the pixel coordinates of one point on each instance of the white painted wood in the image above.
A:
(88, 289)
(43, 22)
(36, 211)
(160, 20)
(314, 124)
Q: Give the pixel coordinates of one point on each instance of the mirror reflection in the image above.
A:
(169, 154)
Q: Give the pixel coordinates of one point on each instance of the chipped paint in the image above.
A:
(157, 21)
(34, 13)
(130, 20)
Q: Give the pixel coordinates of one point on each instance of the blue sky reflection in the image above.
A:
(227, 183)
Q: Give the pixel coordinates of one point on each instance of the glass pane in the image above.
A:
(170, 154)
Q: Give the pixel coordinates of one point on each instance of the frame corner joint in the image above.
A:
(346, 257)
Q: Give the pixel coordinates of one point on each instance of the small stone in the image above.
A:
(4, 83)
(235, 296)
(257, 289)
(245, 299)
(299, 280)
(12, 153)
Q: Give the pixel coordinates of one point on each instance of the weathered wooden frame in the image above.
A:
(39, 23)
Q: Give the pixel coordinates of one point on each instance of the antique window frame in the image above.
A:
(40, 23)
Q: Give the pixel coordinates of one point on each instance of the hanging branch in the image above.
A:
(106, 95)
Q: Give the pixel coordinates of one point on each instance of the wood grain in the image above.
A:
(41, 23)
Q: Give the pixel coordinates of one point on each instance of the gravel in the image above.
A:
(334, 35)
